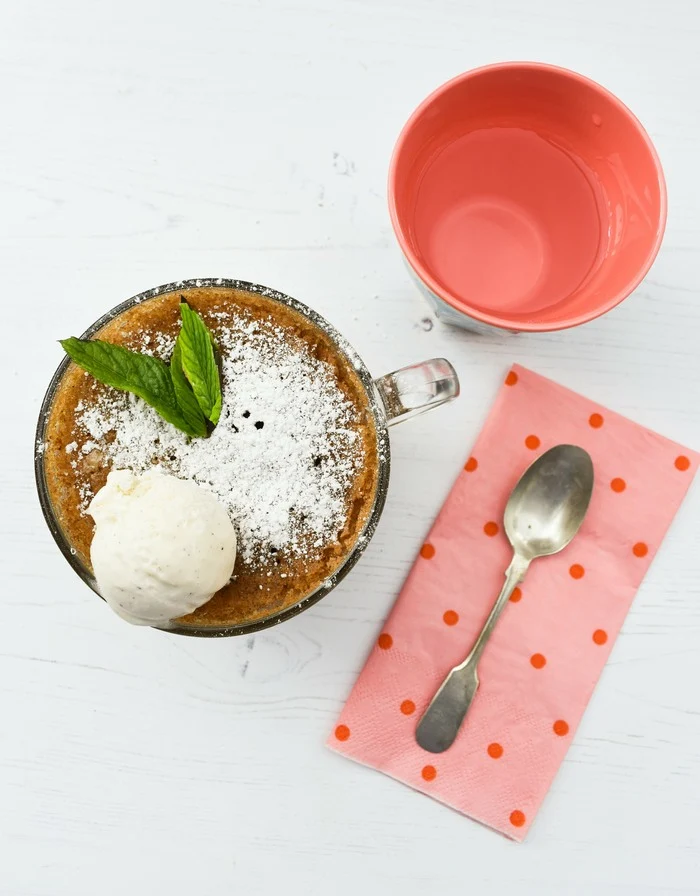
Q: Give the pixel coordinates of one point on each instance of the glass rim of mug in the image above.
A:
(502, 322)
(379, 415)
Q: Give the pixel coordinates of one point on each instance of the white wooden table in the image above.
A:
(150, 141)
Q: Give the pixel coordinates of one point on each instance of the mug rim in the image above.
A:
(375, 406)
(495, 320)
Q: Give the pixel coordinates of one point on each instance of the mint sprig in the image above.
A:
(186, 393)
(198, 362)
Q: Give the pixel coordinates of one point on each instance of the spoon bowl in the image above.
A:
(547, 506)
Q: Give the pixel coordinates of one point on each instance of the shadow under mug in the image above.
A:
(525, 197)
(391, 399)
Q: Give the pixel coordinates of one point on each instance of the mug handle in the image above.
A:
(412, 390)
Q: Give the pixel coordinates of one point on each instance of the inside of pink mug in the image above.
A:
(527, 195)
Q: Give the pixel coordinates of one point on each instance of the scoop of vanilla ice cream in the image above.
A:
(162, 546)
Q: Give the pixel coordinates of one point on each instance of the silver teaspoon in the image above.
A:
(544, 512)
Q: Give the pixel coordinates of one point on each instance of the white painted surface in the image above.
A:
(148, 141)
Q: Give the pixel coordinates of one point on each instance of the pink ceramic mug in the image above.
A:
(526, 197)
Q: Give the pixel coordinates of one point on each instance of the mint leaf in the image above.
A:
(185, 396)
(198, 362)
(147, 377)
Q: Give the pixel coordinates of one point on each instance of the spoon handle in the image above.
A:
(514, 575)
(443, 718)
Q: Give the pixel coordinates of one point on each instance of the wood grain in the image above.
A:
(146, 142)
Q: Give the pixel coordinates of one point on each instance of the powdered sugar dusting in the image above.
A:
(160, 345)
(282, 457)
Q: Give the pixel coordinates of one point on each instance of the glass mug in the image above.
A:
(391, 399)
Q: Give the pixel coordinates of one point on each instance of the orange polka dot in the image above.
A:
(449, 617)
(342, 732)
(517, 818)
(516, 595)
(682, 462)
(618, 485)
(532, 442)
(429, 773)
(599, 636)
(491, 529)
(561, 727)
(495, 751)
(640, 549)
(408, 707)
(577, 571)
(385, 641)
(427, 552)
(538, 661)
(471, 465)
(596, 420)
(512, 378)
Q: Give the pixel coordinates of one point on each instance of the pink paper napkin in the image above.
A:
(549, 648)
